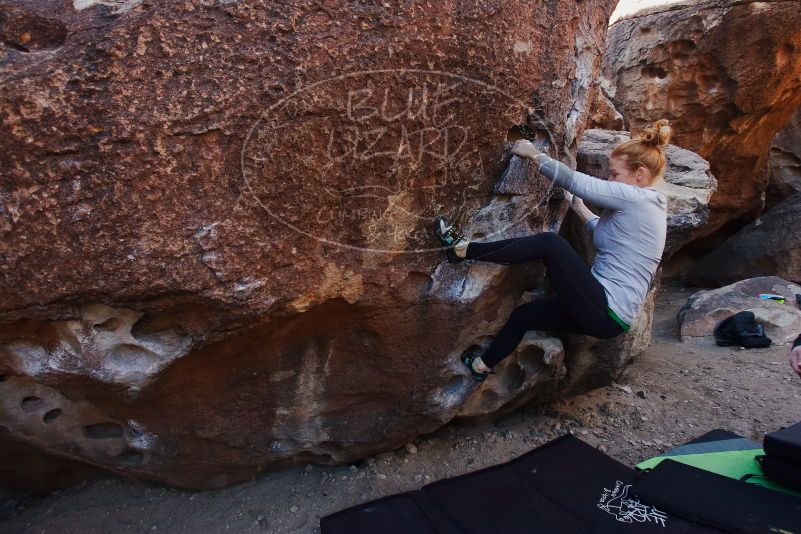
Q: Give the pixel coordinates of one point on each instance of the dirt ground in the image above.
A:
(671, 394)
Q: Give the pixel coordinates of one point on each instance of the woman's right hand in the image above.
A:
(525, 149)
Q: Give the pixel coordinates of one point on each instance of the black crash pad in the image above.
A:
(563, 486)
(781, 471)
(721, 502)
(785, 444)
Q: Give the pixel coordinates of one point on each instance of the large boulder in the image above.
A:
(688, 184)
(770, 245)
(214, 221)
(785, 162)
(705, 309)
(596, 362)
(728, 76)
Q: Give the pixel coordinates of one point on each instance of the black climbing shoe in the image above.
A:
(467, 359)
(448, 234)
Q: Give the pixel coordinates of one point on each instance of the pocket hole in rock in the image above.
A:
(458, 385)
(542, 138)
(131, 456)
(456, 382)
(531, 359)
(28, 32)
(785, 54)
(512, 377)
(31, 404)
(109, 325)
(3, 377)
(102, 431)
(130, 356)
(654, 71)
(315, 457)
(159, 329)
(537, 136)
(487, 398)
(516, 133)
(475, 349)
(52, 415)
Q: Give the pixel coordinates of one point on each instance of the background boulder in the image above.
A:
(726, 102)
(705, 309)
(594, 362)
(771, 245)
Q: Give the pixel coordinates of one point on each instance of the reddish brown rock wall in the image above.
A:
(214, 220)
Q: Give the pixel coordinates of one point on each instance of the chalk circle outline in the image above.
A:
(246, 181)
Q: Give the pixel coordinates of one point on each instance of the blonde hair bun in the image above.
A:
(657, 134)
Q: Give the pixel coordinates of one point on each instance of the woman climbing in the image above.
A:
(629, 237)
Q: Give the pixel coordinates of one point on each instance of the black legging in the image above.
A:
(579, 306)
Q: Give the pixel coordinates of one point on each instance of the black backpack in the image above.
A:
(782, 460)
(741, 329)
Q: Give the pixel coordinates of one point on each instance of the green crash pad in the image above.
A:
(724, 453)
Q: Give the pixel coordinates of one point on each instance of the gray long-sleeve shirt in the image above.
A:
(629, 235)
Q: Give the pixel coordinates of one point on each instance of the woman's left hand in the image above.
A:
(525, 149)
